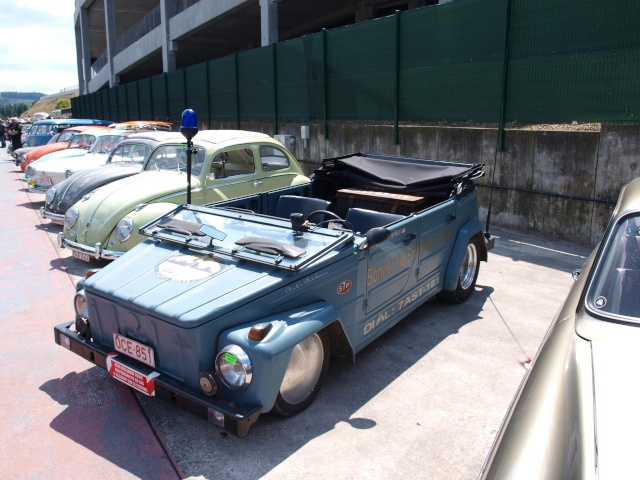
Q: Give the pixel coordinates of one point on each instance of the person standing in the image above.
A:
(3, 131)
(15, 132)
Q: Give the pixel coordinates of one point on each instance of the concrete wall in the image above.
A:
(560, 184)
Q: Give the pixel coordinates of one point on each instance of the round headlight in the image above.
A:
(124, 229)
(30, 170)
(68, 173)
(50, 196)
(70, 217)
(234, 367)
(80, 303)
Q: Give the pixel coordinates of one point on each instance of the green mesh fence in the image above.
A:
(566, 60)
(222, 89)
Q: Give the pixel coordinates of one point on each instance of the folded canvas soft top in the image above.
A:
(395, 174)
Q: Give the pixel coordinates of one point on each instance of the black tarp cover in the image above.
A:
(394, 174)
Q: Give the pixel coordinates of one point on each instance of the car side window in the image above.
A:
(232, 162)
(273, 158)
(614, 288)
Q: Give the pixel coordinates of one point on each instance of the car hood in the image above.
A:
(79, 184)
(43, 150)
(182, 287)
(66, 153)
(101, 212)
(615, 357)
(77, 162)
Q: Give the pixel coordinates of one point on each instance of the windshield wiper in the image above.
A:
(272, 247)
(191, 229)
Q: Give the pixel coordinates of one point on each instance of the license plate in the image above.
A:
(134, 349)
(44, 181)
(82, 256)
(60, 221)
(129, 376)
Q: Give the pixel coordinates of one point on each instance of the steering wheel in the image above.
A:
(323, 212)
(334, 218)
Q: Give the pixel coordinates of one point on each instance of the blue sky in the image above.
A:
(38, 51)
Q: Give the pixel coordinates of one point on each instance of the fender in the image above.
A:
(270, 357)
(465, 234)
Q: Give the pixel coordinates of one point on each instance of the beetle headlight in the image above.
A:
(124, 229)
(80, 304)
(234, 367)
(50, 196)
(70, 217)
(30, 171)
(68, 173)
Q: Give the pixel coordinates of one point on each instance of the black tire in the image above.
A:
(305, 373)
(467, 276)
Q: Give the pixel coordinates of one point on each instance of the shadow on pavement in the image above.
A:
(93, 402)
(348, 387)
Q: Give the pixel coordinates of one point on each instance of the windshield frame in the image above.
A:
(617, 266)
(243, 224)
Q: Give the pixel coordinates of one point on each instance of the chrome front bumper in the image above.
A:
(56, 218)
(96, 251)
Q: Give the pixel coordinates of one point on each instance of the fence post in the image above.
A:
(505, 74)
(396, 80)
(324, 84)
(208, 95)
(274, 66)
(235, 64)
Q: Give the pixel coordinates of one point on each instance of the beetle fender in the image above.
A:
(270, 356)
(465, 234)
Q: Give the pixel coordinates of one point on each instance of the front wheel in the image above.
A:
(468, 274)
(305, 373)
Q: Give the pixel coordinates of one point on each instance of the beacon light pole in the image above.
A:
(189, 128)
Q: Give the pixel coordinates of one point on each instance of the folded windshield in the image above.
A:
(245, 235)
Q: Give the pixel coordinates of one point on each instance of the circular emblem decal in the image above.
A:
(187, 268)
(344, 287)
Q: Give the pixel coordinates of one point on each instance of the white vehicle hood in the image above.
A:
(61, 165)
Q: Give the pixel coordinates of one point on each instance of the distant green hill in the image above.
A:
(13, 98)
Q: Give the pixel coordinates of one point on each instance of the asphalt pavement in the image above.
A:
(423, 401)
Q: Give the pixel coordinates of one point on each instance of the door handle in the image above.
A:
(408, 238)
(257, 183)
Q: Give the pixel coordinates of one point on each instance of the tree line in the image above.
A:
(14, 110)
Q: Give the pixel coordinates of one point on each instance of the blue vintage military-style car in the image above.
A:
(232, 310)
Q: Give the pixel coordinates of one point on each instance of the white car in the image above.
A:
(48, 173)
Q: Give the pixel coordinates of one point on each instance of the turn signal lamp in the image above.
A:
(260, 331)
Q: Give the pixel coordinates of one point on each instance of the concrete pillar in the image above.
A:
(364, 12)
(268, 22)
(83, 52)
(110, 27)
(169, 47)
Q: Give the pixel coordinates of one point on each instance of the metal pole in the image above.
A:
(189, 149)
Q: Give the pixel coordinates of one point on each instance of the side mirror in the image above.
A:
(377, 235)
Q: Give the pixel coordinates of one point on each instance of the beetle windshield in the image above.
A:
(82, 140)
(614, 290)
(174, 158)
(106, 143)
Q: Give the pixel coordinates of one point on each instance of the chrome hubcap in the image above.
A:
(469, 266)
